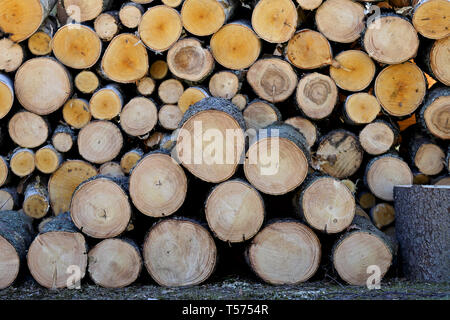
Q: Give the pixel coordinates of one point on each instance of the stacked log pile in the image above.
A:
(162, 135)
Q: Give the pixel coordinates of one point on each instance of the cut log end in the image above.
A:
(429, 159)
(130, 15)
(48, 159)
(377, 138)
(170, 91)
(169, 116)
(159, 69)
(129, 160)
(430, 18)
(309, 49)
(191, 96)
(76, 114)
(439, 60)
(203, 17)
(106, 26)
(28, 130)
(145, 86)
(224, 84)
(9, 263)
(22, 162)
(362, 108)
(87, 82)
(139, 116)
(40, 44)
(11, 55)
(306, 127)
(259, 114)
(382, 214)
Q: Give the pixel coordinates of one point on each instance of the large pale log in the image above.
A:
(28, 130)
(431, 18)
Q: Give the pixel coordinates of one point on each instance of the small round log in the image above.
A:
(48, 159)
(145, 86)
(11, 55)
(430, 18)
(259, 114)
(107, 25)
(361, 108)
(139, 116)
(170, 91)
(378, 137)
(285, 253)
(28, 130)
(306, 127)
(87, 82)
(159, 69)
(111, 169)
(130, 14)
(39, 43)
(129, 160)
(425, 155)
(240, 101)
(63, 138)
(169, 116)
(366, 199)
(382, 215)
(22, 162)
(224, 84)
(190, 97)
(76, 113)
(179, 252)
(434, 115)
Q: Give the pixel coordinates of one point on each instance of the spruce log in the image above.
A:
(284, 253)
(145, 86)
(340, 20)
(126, 59)
(28, 130)
(130, 14)
(11, 55)
(158, 185)
(378, 137)
(160, 28)
(42, 85)
(326, 204)
(77, 47)
(361, 108)
(382, 214)
(170, 91)
(188, 60)
(36, 203)
(234, 211)
(400, 88)
(63, 138)
(205, 17)
(259, 114)
(58, 247)
(306, 127)
(214, 155)
(65, 180)
(169, 116)
(107, 25)
(275, 20)
(362, 246)
(277, 161)
(316, 96)
(100, 207)
(272, 79)
(16, 234)
(87, 82)
(139, 116)
(9, 199)
(235, 46)
(100, 142)
(434, 115)
(39, 43)
(21, 18)
(191, 96)
(431, 18)
(114, 263)
(421, 225)
(179, 252)
(385, 172)
(85, 10)
(6, 95)
(48, 159)
(22, 162)
(224, 84)
(129, 159)
(76, 113)
(339, 154)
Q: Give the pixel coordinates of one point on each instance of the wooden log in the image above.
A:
(366, 199)
(139, 116)
(48, 159)
(235, 46)
(390, 39)
(191, 96)
(272, 79)
(160, 28)
(234, 211)
(39, 43)
(130, 14)
(205, 17)
(213, 158)
(167, 264)
(277, 162)
(306, 127)
(378, 137)
(107, 25)
(425, 155)
(76, 113)
(325, 204)
(16, 234)
(106, 103)
(129, 160)
(11, 55)
(100, 207)
(434, 114)
(259, 114)
(63, 138)
(169, 116)
(126, 59)
(309, 49)
(87, 82)
(114, 263)
(316, 96)
(224, 84)
(36, 203)
(240, 101)
(65, 180)
(28, 130)
(188, 60)
(159, 69)
(353, 69)
(4, 171)
(170, 91)
(382, 214)
(145, 86)
(172, 3)
(9, 199)
(422, 240)
(430, 18)
(22, 162)
(85, 10)
(288, 241)
(6, 95)
(385, 172)
(77, 47)
(361, 108)
(100, 142)
(400, 89)
(309, 4)
(158, 185)
(339, 154)
(34, 81)
(362, 246)
(111, 169)
(275, 21)
(22, 18)
(340, 21)
(53, 253)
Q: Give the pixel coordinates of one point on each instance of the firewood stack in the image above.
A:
(158, 134)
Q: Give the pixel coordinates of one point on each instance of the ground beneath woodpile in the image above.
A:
(235, 288)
